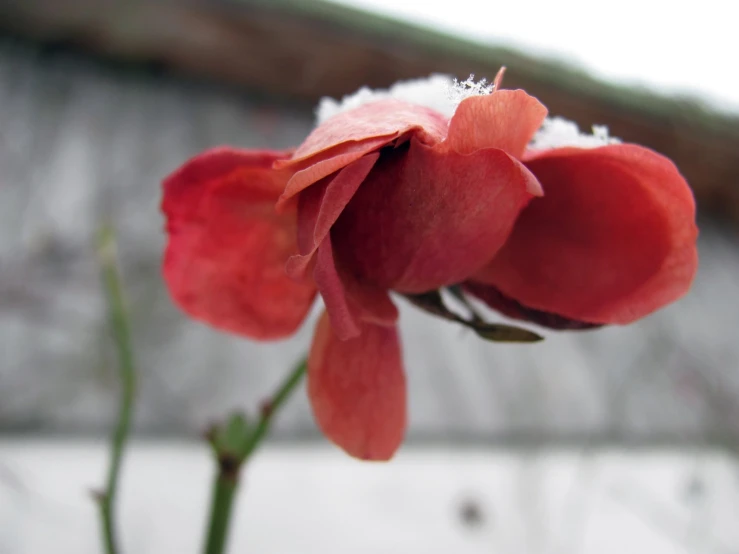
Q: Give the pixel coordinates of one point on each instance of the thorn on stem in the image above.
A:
(209, 434)
(266, 407)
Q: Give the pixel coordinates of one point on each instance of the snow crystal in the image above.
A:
(459, 91)
(557, 132)
(438, 92)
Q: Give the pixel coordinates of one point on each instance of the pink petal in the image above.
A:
(505, 119)
(343, 318)
(372, 304)
(320, 167)
(227, 248)
(339, 192)
(383, 118)
(309, 206)
(357, 390)
(349, 302)
(612, 240)
(183, 189)
(348, 136)
(321, 205)
(426, 218)
(510, 307)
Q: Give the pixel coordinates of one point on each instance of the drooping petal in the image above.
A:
(321, 205)
(357, 390)
(339, 193)
(424, 218)
(227, 248)
(343, 319)
(348, 136)
(505, 119)
(612, 240)
(314, 170)
(372, 304)
(309, 206)
(349, 302)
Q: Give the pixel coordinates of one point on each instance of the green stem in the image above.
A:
(118, 320)
(231, 453)
(224, 491)
(270, 408)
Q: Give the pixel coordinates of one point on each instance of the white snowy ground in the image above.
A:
(314, 499)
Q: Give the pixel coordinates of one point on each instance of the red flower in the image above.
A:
(393, 196)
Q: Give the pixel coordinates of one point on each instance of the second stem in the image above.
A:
(233, 444)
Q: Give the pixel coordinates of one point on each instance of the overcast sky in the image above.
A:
(673, 46)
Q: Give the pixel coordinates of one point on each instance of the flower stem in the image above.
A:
(118, 321)
(270, 408)
(233, 444)
(224, 491)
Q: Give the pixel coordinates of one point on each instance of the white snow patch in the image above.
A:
(557, 132)
(441, 93)
(313, 498)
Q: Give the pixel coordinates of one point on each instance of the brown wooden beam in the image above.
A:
(304, 50)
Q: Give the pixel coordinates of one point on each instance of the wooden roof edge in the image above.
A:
(552, 70)
(36, 16)
(246, 43)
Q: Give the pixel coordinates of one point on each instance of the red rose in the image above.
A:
(395, 196)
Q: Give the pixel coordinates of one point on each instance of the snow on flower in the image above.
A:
(441, 93)
(557, 132)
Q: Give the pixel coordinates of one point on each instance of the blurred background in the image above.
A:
(624, 438)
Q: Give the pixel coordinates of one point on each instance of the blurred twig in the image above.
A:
(119, 325)
(233, 444)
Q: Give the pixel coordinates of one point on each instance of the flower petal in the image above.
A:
(424, 218)
(184, 189)
(227, 249)
(357, 390)
(348, 136)
(339, 192)
(384, 118)
(348, 301)
(324, 165)
(321, 205)
(505, 119)
(507, 306)
(612, 240)
(343, 318)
